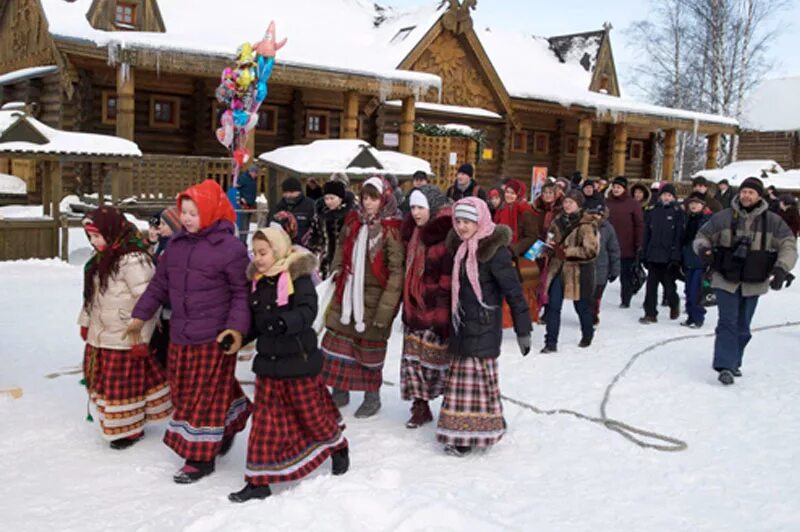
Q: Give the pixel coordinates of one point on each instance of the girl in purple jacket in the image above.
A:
(202, 274)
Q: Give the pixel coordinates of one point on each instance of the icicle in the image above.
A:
(696, 126)
(112, 53)
(384, 90)
(158, 63)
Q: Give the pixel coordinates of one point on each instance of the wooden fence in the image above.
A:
(22, 238)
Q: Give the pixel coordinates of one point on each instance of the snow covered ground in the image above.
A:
(548, 473)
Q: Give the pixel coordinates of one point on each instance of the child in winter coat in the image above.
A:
(369, 285)
(124, 382)
(329, 216)
(483, 275)
(169, 224)
(295, 424)
(693, 266)
(426, 301)
(202, 274)
(609, 263)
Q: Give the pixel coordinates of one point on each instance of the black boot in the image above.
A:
(340, 462)
(726, 377)
(227, 443)
(458, 451)
(736, 372)
(586, 341)
(124, 443)
(250, 492)
(192, 471)
(548, 348)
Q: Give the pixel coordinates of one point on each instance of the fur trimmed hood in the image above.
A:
(433, 232)
(501, 237)
(302, 262)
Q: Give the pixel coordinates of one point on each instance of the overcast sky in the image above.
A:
(548, 18)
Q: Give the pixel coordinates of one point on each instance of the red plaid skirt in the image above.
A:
(295, 428)
(209, 402)
(127, 390)
(472, 414)
(344, 367)
(424, 365)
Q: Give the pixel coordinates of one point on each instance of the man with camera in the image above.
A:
(749, 250)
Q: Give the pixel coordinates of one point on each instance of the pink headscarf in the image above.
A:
(469, 250)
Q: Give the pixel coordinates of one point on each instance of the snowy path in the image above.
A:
(548, 473)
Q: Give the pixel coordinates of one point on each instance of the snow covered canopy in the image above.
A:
(774, 106)
(356, 158)
(27, 73)
(21, 134)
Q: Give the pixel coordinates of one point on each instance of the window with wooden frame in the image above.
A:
(317, 123)
(541, 143)
(125, 15)
(267, 120)
(571, 147)
(519, 141)
(109, 112)
(637, 150)
(165, 112)
(594, 148)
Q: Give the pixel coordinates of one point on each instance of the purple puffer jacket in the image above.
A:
(203, 276)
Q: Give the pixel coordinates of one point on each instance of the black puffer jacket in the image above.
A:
(663, 233)
(481, 330)
(292, 353)
(302, 208)
(325, 231)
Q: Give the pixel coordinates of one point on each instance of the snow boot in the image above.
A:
(192, 471)
(586, 341)
(691, 324)
(420, 414)
(674, 312)
(548, 348)
(726, 377)
(736, 372)
(370, 406)
(227, 443)
(647, 320)
(459, 451)
(340, 462)
(250, 492)
(624, 305)
(124, 443)
(341, 398)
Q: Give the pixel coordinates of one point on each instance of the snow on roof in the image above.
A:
(450, 109)
(773, 106)
(11, 184)
(365, 37)
(738, 171)
(63, 142)
(789, 180)
(27, 73)
(336, 155)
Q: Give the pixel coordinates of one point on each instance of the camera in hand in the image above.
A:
(742, 248)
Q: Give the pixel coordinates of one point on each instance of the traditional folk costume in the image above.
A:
(483, 275)
(296, 426)
(369, 284)
(426, 303)
(203, 276)
(125, 383)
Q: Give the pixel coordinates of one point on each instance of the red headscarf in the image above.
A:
(509, 213)
(212, 203)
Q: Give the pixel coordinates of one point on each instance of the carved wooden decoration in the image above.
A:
(24, 39)
(457, 18)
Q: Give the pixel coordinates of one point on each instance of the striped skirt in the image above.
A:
(472, 414)
(127, 390)
(209, 402)
(295, 428)
(352, 363)
(423, 366)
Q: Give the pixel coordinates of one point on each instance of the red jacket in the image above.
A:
(627, 218)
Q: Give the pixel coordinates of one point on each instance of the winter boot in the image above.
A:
(192, 471)
(675, 312)
(726, 377)
(647, 320)
(340, 462)
(341, 398)
(736, 372)
(691, 324)
(124, 443)
(250, 492)
(458, 451)
(227, 443)
(624, 305)
(420, 414)
(370, 406)
(548, 348)
(586, 341)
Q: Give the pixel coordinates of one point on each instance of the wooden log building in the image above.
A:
(771, 123)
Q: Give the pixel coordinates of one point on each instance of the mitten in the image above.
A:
(524, 343)
(84, 333)
(140, 351)
(778, 278)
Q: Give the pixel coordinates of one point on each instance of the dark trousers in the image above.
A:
(733, 328)
(599, 290)
(626, 279)
(659, 274)
(553, 309)
(159, 342)
(693, 288)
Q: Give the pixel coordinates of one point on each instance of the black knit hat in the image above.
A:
(620, 180)
(668, 187)
(419, 174)
(753, 183)
(335, 188)
(291, 184)
(466, 168)
(699, 180)
(723, 182)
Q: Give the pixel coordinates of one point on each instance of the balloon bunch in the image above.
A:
(241, 90)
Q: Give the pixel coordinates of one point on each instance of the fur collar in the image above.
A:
(487, 248)
(433, 232)
(303, 262)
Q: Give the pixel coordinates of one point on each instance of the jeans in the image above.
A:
(659, 274)
(626, 279)
(553, 308)
(733, 328)
(693, 288)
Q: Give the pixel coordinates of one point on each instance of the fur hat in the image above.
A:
(620, 180)
(335, 188)
(753, 183)
(291, 184)
(466, 168)
(576, 196)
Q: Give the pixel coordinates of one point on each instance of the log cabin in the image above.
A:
(771, 123)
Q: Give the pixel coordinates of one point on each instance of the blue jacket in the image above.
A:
(663, 233)
(246, 187)
(690, 260)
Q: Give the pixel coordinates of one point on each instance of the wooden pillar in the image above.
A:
(121, 179)
(47, 184)
(584, 143)
(712, 151)
(54, 169)
(350, 115)
(407, 126)
(298, 117)
(620, 149)
(670, 145)
(251, 148)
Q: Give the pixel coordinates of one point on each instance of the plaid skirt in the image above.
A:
(352, 363)
(126, 390)
(472, 414)
(209, 402)
(423, 366)
(295, 428)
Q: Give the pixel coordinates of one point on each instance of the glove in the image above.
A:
(524, 343)
(140, 351)
(706, 255)
(274, 327)
(559, 251)
(133, 333)
(674, 268)
(778, 278)
(230, 341)
(84, 333)
(612, 278)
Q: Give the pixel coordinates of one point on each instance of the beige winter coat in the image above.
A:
(111, 310)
